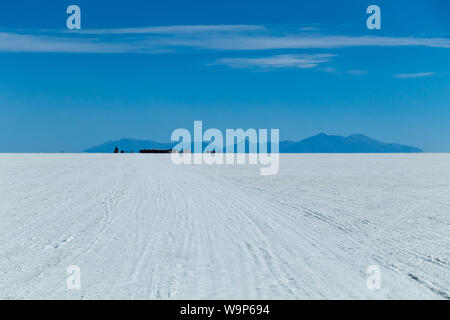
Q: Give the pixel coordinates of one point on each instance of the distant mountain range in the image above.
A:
(355, 143)
(128, 145)
(321, 143)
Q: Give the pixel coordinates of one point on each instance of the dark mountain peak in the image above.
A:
(362, 138)
(320, 136)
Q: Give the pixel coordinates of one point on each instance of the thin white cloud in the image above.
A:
(302, 42)
(414, 75)
(356, 72)
(200, 37)
(11, 42)
(305, 61)
(330, 70)
(309, 29)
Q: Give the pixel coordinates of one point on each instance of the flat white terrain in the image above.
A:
(140, 227)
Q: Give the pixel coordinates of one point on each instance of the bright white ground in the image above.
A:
(140, 227)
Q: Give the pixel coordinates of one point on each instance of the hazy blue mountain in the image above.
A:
(321, 143)
(355, 143)
(128, 145)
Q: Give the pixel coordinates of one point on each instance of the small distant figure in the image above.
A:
(121, 151)
(116, 150)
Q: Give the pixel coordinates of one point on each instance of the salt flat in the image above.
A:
(140, 227)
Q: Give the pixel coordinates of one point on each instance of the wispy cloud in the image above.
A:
(352, 72)
(199, 37)
(309, 29)
(330, 70)
(305, 61)
(357, 72)
(414, 75)
(11, 42)
(304, 42)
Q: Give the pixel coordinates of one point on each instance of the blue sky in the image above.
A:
(140, 69)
